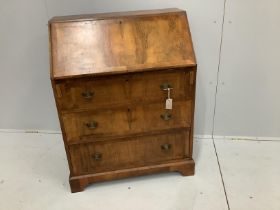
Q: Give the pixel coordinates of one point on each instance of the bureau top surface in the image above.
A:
(113, 43)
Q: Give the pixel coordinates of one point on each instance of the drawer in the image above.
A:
(140, 151)
(126, 121)
(92, 93)
(149, 87)
(88, 93)
(154, 117)
(95, 123)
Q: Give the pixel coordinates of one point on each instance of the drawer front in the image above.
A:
(149, 87)
(88, 93)
(91, 93)
(95, 123)
(125, 121)
(154, 117)
(140, 151)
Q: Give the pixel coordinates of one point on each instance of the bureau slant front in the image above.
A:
(124, 86)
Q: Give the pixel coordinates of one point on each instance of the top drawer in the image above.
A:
(92, 93)
(151, 87)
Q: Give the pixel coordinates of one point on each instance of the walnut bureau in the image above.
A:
(124, 86)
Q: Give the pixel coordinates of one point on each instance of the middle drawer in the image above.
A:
(125, 121)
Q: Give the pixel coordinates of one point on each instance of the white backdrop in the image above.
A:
(248, 100)
(248, 94)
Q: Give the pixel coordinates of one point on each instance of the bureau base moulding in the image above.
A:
(184, 167)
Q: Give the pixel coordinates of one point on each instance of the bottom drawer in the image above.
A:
(139, 151)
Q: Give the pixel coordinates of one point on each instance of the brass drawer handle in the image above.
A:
(97, 156)
(166, 147)
(88, 94)
(165, 86)
(92, 125)
(166, 116)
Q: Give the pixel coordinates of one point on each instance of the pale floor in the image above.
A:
(34, 176)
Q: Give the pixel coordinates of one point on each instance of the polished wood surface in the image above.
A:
(120, 44)
(108, 123)
(109, 76)
(125, 121)
(129, 153)
(149, 117)
(92, 93)
(183, 166)
(113, 15)
(117, 91)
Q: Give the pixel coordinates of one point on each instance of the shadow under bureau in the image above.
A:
(124, 86)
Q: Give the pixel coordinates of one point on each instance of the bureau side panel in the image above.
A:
(192, 82)
(56, 95)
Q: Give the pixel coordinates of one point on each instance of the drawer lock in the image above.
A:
(97, 156)
(92, 125)
(166, 86)
(165, 147)
(166, 116)
(88, 94)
